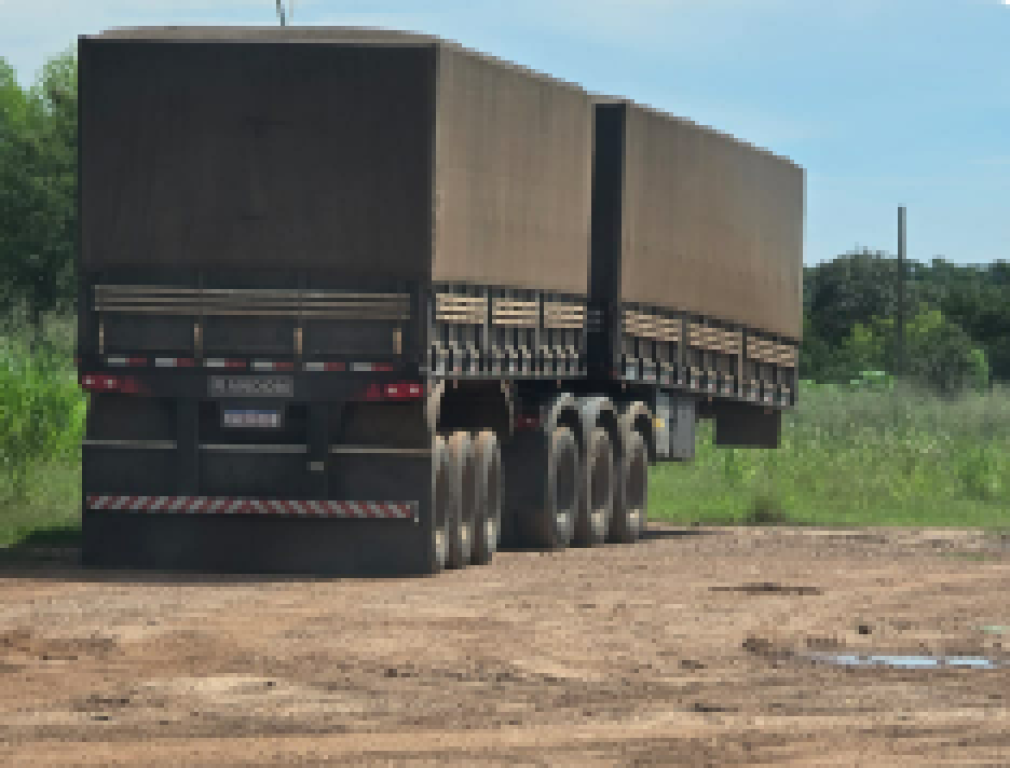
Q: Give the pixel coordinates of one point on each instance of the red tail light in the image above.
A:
(404, 390)
(528, 422)
(102, 382)
(395, 390)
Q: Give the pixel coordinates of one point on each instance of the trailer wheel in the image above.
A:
(597, 503)
(487, 520)
(551, 524)
(461, 524)
(632, 497)
(441, 506)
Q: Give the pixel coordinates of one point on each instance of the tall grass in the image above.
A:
(41, 423)
(856, 457)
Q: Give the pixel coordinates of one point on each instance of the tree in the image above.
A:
(939, 354)
(38, 189)
(853, 288)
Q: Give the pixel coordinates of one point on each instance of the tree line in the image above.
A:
(957, 321)
(957, 326)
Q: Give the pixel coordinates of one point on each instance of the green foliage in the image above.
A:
(957, 329)
(42, 414)
(939, 354)
(848, 290)
(42, 409)
(856, 455)
(38, 188)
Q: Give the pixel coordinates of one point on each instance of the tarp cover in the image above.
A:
(711, 225)
(375, 154)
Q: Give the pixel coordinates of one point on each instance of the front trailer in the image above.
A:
(404, 428)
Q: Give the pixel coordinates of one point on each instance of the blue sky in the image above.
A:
(884, 102)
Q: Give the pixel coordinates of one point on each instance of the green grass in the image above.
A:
(848, 457)
(41, 424)
(855, 458)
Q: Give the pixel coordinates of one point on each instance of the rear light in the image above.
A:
(528, 422)
(101, 382)
(404, 390)
(395, 390)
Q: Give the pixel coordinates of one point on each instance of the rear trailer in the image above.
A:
(336, 313)
(697, 253)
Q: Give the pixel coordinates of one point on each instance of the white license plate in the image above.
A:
(255, 419)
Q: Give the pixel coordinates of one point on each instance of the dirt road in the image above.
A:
(691, 648)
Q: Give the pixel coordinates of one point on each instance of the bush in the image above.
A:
(42, 409)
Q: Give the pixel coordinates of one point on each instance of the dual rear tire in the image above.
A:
(549, 523)
(566, 496)
(466, 500)
(587, 498)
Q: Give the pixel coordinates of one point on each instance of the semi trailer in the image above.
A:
(360, 301)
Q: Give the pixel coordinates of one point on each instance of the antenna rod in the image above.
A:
(281, 14)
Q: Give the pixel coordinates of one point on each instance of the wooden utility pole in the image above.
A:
(899, 325)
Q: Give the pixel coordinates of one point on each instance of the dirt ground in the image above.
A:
(690, 648)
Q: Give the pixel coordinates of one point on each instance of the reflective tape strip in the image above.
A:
(320, 367)
(218, 363)
(174, 362)
(119, 361)
(209, 505)
(132, 445)
(268, 365)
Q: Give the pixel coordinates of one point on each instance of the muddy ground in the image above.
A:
(689, 648)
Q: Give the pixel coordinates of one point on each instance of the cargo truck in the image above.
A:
(358, 301)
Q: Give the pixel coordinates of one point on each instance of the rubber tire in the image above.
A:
(597, 503)
(461, 528)
(552, 523)
(438, 546)
(631, 502)
(487, 520)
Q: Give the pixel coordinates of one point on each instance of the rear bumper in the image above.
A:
(362, 512)
(253, 544)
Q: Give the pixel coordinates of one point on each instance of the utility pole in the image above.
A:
(281, 13)
(899, 325)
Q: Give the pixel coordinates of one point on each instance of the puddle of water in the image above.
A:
(907, 662)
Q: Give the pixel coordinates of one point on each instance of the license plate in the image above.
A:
(252, 386)
(256, 419)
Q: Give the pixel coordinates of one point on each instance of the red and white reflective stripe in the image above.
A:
(319, 367)
(220, 363)
(270, 365)
(124, 362)
(174, 362)
(208, 505)
(372, 367)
